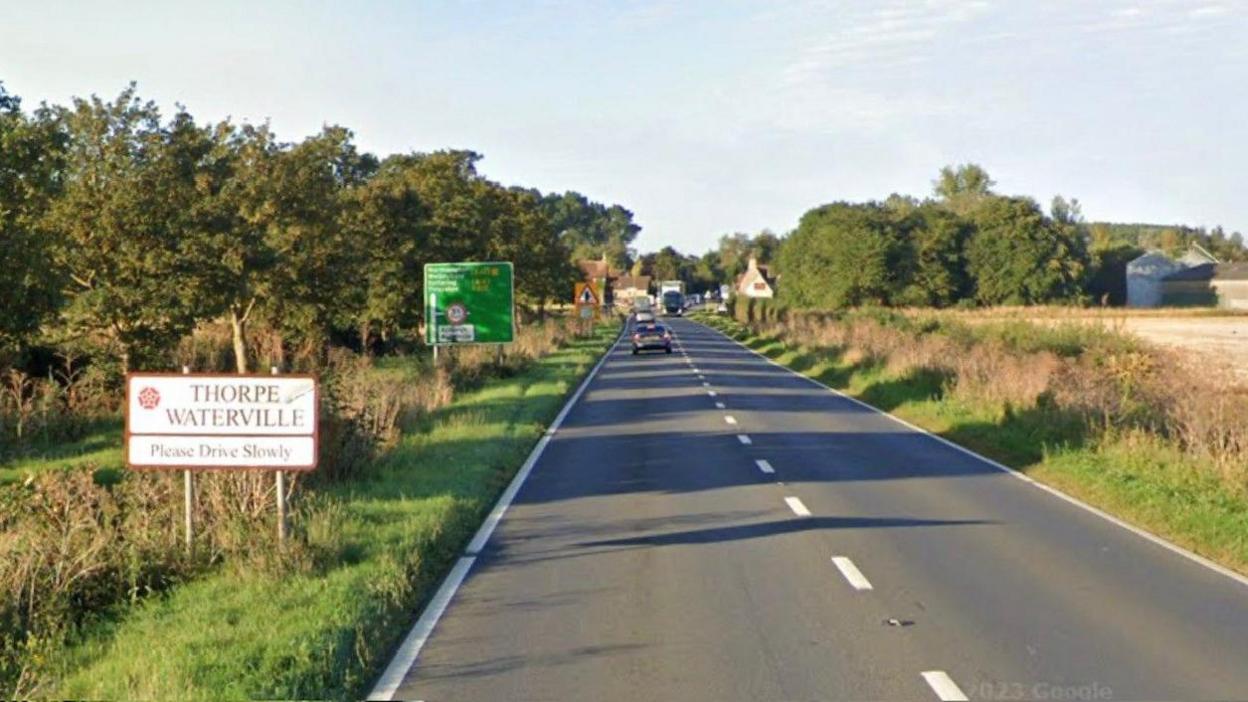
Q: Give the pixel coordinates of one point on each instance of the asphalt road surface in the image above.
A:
(708, 526)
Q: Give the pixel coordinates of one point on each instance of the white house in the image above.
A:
(755, 282)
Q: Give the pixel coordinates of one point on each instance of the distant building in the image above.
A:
(755, 281)
(1146, 273)
(626, 288)
(599, 275)
(1207, 285)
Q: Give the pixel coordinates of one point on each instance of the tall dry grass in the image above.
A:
(71, 547)
(1112, 382)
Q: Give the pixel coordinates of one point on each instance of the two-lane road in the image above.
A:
(708, 526)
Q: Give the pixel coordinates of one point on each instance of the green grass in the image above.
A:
(1138, 478)
(100, 448)
(327, 632)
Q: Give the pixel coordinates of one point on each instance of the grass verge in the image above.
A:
(100, 447)
(1137, 477)
(386, 540)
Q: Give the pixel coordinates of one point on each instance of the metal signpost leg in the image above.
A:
(281, 505)
(432, 322)
(281, 494)
(188, 488)
(188, 492)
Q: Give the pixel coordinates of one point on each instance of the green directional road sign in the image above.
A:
(469, 303)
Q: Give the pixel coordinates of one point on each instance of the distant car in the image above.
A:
(644, 317)
(651, 337)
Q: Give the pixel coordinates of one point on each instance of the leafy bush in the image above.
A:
(71, 547)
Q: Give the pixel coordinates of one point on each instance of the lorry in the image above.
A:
(672, 294)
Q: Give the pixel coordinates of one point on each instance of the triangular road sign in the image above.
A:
(585, 295)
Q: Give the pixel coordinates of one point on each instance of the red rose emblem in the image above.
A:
(149, 398)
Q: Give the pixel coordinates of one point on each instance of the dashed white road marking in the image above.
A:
(744, 439)
(711, 393)
(944, 686)
(719, 405)
(764, 466)
(730, 419)
(796, 505)
(706, 384)
(851, 573)
(1173, 548)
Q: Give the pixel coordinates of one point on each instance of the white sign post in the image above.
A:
(222, 422)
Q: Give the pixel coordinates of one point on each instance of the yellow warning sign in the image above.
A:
(586, 300)
(586, 295)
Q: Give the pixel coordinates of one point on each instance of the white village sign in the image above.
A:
(221, 421)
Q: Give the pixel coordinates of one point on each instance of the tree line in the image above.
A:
(121, 230)
(967, 245)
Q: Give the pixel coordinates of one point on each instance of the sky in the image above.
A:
(706, 117)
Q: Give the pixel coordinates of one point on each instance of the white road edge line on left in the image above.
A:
(944, 686)
(405, 657)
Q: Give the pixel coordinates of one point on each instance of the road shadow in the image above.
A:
(739, 532)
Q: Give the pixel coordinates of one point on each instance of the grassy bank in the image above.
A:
(100, 447)
(1129, 464)
(372, 549)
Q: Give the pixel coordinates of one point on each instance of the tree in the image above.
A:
(544, 269)
(963, 188)
(126, 223)
(240, 255)
(590, 229)
(1017, 256)
(31, 164)
(668, 264)
(845, 255)
(388, 222)
(734, 253)
(304, 195)
(937, 273)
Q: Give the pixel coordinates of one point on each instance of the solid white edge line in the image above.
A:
(851, 573)
(744, 439)
(944, 686)
(405, 657)
(392, 678)
(1146, 535)
(764, 466)
(796, 505)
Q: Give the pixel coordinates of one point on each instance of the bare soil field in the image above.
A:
(1220, 336)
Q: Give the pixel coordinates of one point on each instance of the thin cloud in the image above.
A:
(889, 35)
(1162, 16)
